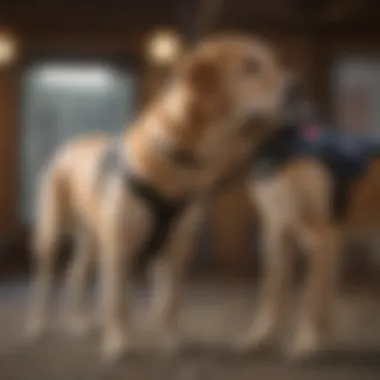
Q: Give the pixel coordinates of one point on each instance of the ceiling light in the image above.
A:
(8, 50)
(74, 76)
(163, 47)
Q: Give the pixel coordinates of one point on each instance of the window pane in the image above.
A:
(356, 90)
(62, 101)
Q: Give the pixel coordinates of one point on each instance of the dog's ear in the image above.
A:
(202, 74)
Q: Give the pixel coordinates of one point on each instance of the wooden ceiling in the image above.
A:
(85, 16)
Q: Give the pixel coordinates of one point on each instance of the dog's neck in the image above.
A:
(178, 120)
(183, 121)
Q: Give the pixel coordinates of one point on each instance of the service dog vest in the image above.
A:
(345, 155)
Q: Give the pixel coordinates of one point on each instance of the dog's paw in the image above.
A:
(306, 344)
(114, 346)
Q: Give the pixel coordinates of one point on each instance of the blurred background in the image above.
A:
(69, 67)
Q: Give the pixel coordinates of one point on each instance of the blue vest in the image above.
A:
(345, 155)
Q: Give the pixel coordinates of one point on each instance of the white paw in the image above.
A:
(114, 345)
(306, 343)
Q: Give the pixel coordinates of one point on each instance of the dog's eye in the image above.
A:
(251, 67)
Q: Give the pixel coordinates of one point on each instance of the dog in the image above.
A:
(314, 187)
(141, 193)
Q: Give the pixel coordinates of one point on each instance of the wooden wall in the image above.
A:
(8, 152)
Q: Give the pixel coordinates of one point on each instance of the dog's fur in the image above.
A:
(214, 90)
(296, 207)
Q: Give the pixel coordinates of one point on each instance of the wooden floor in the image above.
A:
(212, 317)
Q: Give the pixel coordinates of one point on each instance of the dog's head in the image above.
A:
(239, 79)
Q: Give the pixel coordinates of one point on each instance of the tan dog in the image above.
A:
(296, 203)
(165, 161)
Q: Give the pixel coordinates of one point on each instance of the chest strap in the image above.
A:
(165, 213)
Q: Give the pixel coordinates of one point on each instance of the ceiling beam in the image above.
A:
(187, 11)
(191, 17)
(85, 14)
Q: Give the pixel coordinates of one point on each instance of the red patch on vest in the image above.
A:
(311, 132)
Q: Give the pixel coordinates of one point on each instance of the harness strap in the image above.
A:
(165, 211)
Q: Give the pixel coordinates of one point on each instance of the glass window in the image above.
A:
(356, 94)
(62, 101)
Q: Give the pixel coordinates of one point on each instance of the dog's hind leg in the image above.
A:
(168, 275)
(50, 223)
(78, 316)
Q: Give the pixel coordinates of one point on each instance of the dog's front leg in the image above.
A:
(274, 202)
(169, 272)
(323, 254)
(277, 258)
(124, 226)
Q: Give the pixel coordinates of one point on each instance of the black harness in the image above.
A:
(165, 211)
